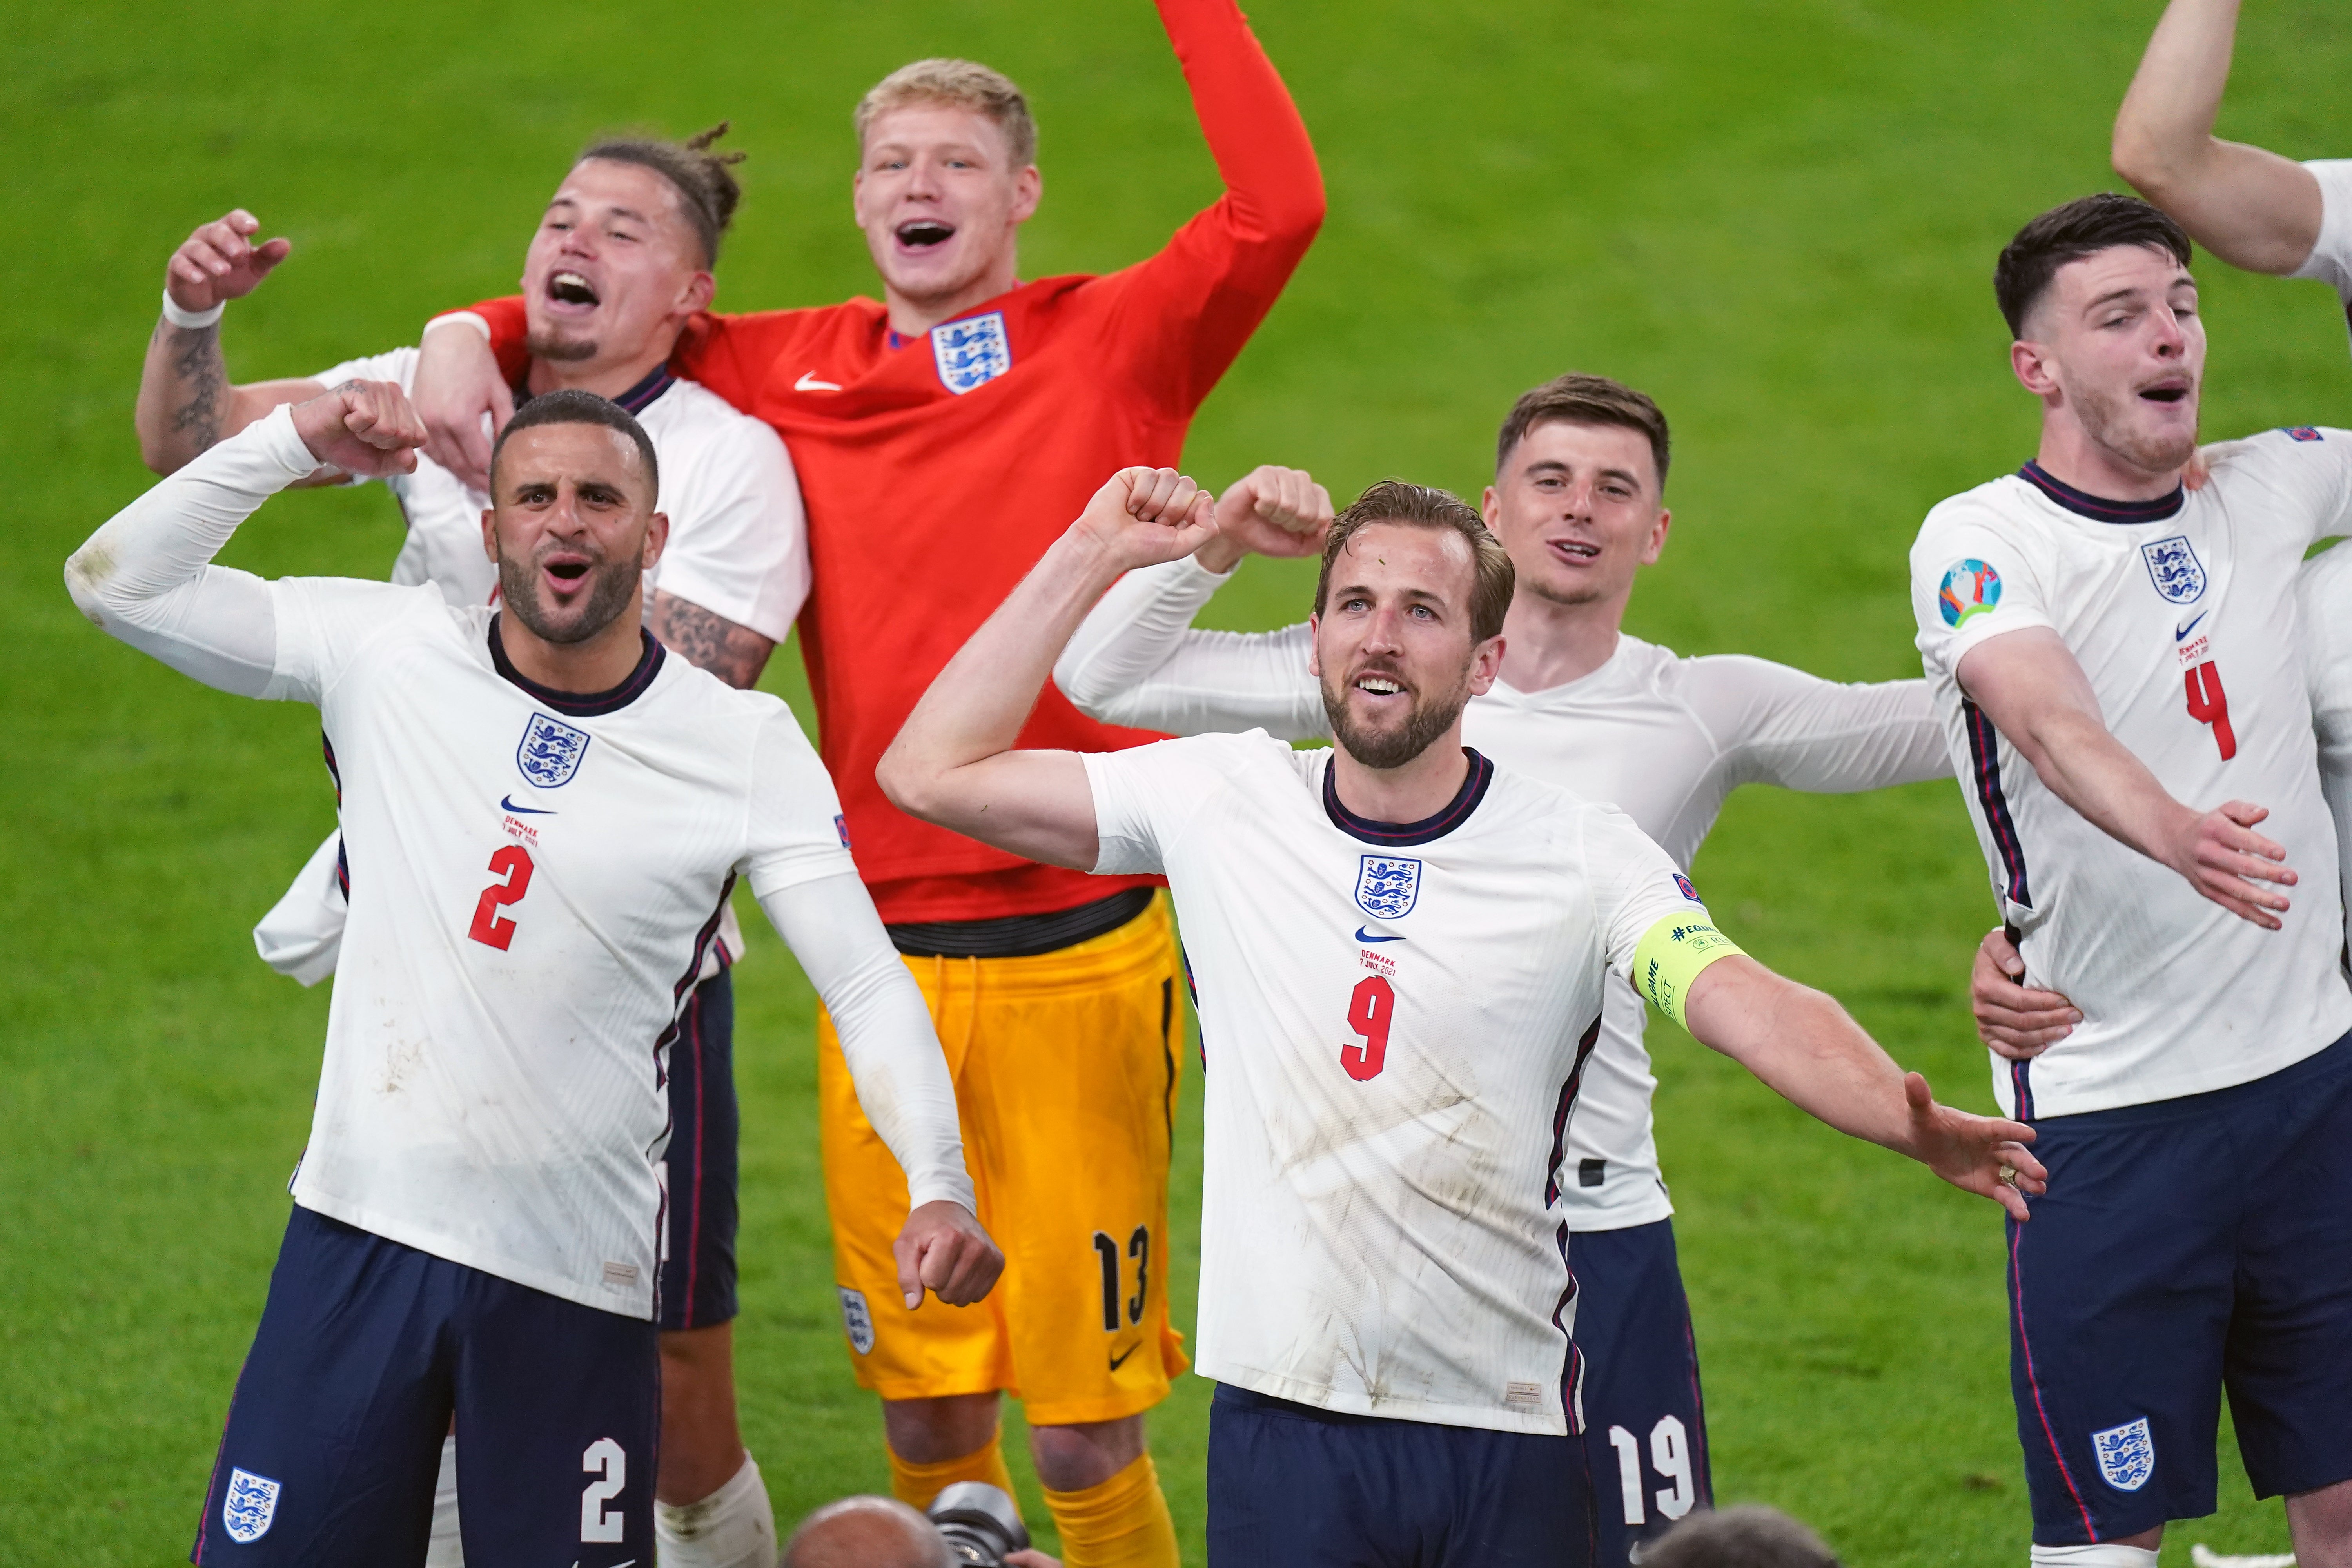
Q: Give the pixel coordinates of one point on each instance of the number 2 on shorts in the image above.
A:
(492, 928)
(608, 1460)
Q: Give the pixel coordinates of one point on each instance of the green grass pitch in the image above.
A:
(1778, 217)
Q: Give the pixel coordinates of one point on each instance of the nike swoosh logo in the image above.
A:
(1120, 1359)
(2181, 636)
(508, 804)
(809, 383)
(1363, 935)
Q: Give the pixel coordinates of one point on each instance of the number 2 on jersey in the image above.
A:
(513, 866)
(1371, 1007)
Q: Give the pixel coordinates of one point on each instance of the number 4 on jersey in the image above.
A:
(2209, 704)
(490, 928)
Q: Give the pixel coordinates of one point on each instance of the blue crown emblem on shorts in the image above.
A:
(550, 750)
(2126, 1454)
(250, 1506)
(2173, 567)
(1387, 887)
(971, 352)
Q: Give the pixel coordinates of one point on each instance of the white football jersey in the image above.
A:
(738, 547)
(2323, 592)
(534, 877)
(1662, 738)
(2182, 613)
(2330, 260)
(1392, 1019)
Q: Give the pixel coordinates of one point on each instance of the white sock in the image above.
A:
(2105, 1554)
(734, 1527)
(446, 1550)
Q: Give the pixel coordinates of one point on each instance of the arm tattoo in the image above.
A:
(202, 382)
(734, 654)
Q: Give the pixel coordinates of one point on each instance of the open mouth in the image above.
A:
(568, 572)
(2164, 392)
(923, 233)
(1380, 686)
(1577, 548)
(571, 288)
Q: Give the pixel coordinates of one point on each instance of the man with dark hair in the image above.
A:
(1579, 504)
(1402, 957)
(2117, 662)
(621, 258)
(545, 816)
(1069, 1057)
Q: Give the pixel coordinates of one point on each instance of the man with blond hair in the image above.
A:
(942, 435)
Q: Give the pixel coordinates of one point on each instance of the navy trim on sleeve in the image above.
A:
(1455, 813)
(2098, 509)
(583, 704)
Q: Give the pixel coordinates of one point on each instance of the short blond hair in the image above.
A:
(960, 84)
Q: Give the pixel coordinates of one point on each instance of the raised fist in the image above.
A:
(220, 261)
(364, 427)
(1271, 511)
(1145, 516)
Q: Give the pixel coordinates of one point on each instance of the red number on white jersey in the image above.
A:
(489, 926)
(2209, 704)
(1370, 1009)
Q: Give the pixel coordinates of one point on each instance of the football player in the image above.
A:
(543, 815)
(1403, 953)
(2117, 662)
(621, 256)
(1579, 501)
(1059, 999)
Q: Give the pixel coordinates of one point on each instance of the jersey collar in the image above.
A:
(637, 400)
(2098, 509)
(1454, 813)
(583, 704)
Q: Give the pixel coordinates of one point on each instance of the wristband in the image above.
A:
(468, 317)
(191, 320)
(1671, 954)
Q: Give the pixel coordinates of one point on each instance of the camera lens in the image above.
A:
(980, 1522)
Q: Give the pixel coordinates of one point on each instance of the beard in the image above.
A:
(556, 349)
(1428, 718)
(2107, 421)
(608, 596)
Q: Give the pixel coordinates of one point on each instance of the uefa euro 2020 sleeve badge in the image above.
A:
(1387, 887)
(550, 750)
(250, 1506)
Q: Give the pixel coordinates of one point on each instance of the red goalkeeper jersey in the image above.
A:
(937, 469)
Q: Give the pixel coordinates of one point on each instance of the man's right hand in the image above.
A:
(1271, 511)
(457, 381)
(364, 427)
(2229, 863)
(2016, 1020)
(220, 262)
(1142, 517)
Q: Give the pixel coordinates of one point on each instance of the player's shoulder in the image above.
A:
(1235, 753)
(688, 412)
(2006, 504)
(2279, 453)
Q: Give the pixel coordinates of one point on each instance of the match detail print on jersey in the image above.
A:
(1670, 956)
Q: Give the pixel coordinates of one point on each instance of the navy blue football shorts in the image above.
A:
(1291, 1486)
(1644, 1423)
(2186, 1246)
(366, 1349)
(697, 1277)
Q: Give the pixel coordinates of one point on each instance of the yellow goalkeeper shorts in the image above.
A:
(1065, 1067)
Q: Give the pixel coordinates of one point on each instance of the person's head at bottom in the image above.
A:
(1739, 1538)
(878, 1532)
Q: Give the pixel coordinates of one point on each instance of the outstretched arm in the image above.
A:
(901, 1079)
(1807, 1048)
(2251, 208)
(146, 576)
(2030, 684)
(186, 399)
(953, 763)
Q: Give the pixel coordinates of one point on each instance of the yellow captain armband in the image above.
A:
(1670, 955)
